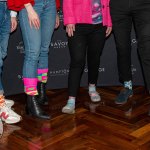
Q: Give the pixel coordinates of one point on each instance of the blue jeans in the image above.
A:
(37, 42)
(4, 36)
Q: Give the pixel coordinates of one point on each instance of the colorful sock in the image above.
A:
(42, 75)
(92, 88)
(30, 86)
(71, 101)
(128, 84)
(2, 101)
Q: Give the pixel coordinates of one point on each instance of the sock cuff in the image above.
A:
(30, 81)
(42, 71)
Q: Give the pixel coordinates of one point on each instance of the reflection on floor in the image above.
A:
(95, 126)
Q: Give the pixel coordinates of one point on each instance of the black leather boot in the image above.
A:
(42, 98)
(33, 108)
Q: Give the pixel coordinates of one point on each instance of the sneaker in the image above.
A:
(94, 95)
(9, 116)
(9, 102)
(123, 96)
(69, 108)
(1, 128)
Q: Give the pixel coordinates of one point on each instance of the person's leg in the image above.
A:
(48, 19)
(142, 26)
(96, 40)
(77, 47)
(122, 24)
(6, 114)
(32, 43)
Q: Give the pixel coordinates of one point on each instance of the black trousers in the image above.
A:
(124, 13)
(88, 39)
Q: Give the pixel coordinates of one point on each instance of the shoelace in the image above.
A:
(38, 106)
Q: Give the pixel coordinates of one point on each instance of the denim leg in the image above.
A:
(4, 35)
(32, 43)
(47, 18)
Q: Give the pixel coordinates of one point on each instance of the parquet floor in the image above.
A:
(95, 126)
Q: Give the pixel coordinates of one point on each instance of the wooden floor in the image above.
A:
(95, 126)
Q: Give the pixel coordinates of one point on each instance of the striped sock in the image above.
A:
(30, 86)
(42, 75)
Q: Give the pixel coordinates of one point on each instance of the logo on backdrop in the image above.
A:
(59, 44)
(99, 70)
(60, 72)
(65, 72)
(20, 47)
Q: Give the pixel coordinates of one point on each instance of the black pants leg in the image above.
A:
(96, 42)
(122, 24)
(78, 45)
(141, 18)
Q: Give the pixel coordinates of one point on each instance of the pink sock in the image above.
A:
(30, 86)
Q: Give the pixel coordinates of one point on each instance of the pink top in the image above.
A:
(79, 11)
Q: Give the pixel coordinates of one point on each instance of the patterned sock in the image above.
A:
(71, 101)
(30, 86)
(42, 75)
(2, 101)
(92, 88)
(128, 84)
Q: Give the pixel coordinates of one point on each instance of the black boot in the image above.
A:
(42, 98)
(33, 108)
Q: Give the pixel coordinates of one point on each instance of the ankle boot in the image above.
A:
(33, 108)
(42, 98)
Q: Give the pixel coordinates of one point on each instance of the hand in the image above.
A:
(57, 21)
(70, 28)
(108, 31)
(34, 20)
(13, 24)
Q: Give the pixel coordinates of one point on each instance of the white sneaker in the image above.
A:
(9, 116)
(94, 95)
(9, 102)
(68, 109)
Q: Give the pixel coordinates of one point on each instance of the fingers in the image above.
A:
(57, 22)
(108, 31)
(70, 29)
(34, 23)
(13, 24)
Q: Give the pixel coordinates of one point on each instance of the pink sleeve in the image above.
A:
(109, 17)
(68, 12)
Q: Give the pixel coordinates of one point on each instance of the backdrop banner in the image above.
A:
(59, 61)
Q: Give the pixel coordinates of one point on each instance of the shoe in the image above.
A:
(42, 98)
(33, 108)
(8, 115)
(94, 95)
(123, 96)
(69, 108)
(1, 128)
(9, 102)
